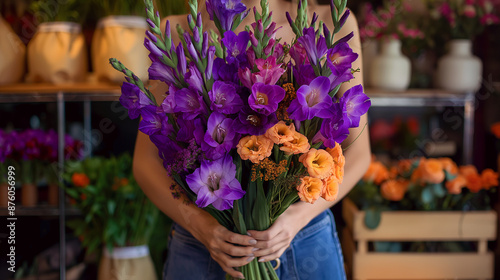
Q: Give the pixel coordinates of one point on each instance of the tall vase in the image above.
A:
(127, 263)
(13, 55)
(120, 37)
(459, 70)
(390, 70)
(57, 54)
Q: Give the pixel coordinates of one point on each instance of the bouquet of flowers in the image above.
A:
(115, 211)
(463, 19)
(435, 184)
(250, 124)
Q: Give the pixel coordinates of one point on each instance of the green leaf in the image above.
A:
(373, 216)
(238, 218)
(438, 190)
(111, 207)
(427, 195)
(260, 211)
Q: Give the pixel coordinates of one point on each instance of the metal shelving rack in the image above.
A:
(86, 93)
(60, 94)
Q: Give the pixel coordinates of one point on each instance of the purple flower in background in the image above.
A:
(341, 57)
(220, 137)
(251, 122)
(214, 182)
(225, 11)
(236, 45)
(265, 98)
(314, 50)
(189, 103)
(354, 103)
(332, 130)
(304, 74)
(4, 142)
(154, 121)
(312, 101)
(225, 98)
(133, 99)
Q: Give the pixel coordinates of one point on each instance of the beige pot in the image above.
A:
(120, 37)
(13, 55)
(53, 194)
(4, 197)
(29, 195)
(127, 263)
(57, 54)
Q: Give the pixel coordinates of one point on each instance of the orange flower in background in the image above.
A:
(468, 170)
(299, 145)
(310, 189)
(281, 133)
(376, 173)
(319, 163)
(339, 160)
(489, 178)
(394, 189)
(254, 148)
(474, 182)
(495, 129)
(449, 165)
(413, 125)
(393, 172)
(455, 186)
(432, 171)
(80, 180)
(83, 196)
(404, 166)
(330, 188)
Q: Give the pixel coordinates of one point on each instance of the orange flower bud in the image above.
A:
(80, 180)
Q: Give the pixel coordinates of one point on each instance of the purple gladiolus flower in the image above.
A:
(341, 57)
(225, 72)
(304, 74)
(299, 54)
(220, 137)
(154, 121)
(251, 122)
(214, 182)
(270, 72)
(265, 98)
(332, 130)
(354, 103)
(236, 45)
(312, 101)
(315, 50)
(168, 104)
(194, 78)
(133, 99)
(225, 98)
(225, 11)
(339, 76)
(190, 103)
(162, 72)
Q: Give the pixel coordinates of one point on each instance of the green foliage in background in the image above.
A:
(68, 10)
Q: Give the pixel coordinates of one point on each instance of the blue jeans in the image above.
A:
(314, 253)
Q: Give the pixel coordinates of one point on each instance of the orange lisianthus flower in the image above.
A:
(468, 170)
(455, 186)
(376, 173)
(298, 145)
(254, 148)
(330, 188)
(489, 178)
(449, 165)
(281, 133)
(495, 129)
(80, 180)
(404, 166)
(474, 182)
(432, 171)
(310, 189)
(319, 163)
(339, 160)
(394, 189)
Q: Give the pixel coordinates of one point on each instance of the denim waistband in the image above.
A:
(316, 224)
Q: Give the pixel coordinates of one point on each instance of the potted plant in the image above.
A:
(459, 22)
(57, 53)
(116, 215)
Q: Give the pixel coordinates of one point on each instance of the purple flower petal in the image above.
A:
(133, 99)
(312, 101)
(220, 137)
(265, 98)
(225, 98)
(355, 103)
(253, 123)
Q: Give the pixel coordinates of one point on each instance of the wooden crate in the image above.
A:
(411, 226)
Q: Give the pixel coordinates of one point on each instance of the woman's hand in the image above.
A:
(227, 248)
(271, 243)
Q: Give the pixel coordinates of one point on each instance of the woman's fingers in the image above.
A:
(228, 263)
(238, 239)
(267, 253)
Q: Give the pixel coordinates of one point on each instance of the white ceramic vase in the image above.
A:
(120, 37)
(127, 263)
(459, 70)
(390, 70)
(57, 54)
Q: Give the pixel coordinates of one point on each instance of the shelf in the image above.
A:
(49, 92)
(40, 210)
(419, 98)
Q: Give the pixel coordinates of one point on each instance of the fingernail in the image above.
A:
(262, 260)
(241, 277)
(251, 255)
(248, 233)
(252, 242)
(250, 259)
(255, 249)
